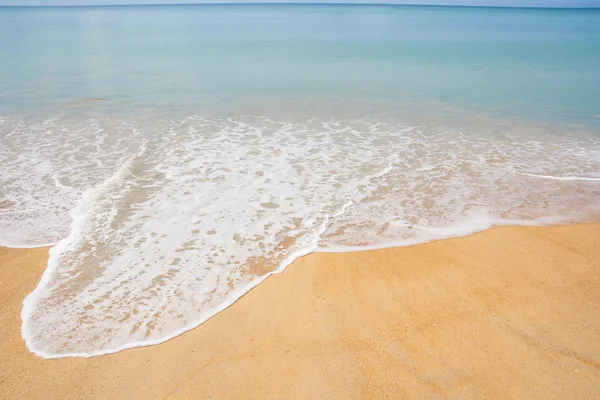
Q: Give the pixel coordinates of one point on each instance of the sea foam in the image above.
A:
(159, 225)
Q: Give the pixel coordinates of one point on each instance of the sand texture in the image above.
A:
(509, 313)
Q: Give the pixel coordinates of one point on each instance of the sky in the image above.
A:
(507, 3)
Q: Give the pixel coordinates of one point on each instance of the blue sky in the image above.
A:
(510, 3)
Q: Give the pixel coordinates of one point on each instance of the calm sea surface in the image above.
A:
(175, 156)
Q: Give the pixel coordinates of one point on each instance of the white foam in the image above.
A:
(560, 178)
(430, 234)
(46, 167)
(161, 224)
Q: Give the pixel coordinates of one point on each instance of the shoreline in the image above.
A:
(291, 259)
(332, 322)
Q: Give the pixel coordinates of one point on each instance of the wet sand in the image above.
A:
(512, 312)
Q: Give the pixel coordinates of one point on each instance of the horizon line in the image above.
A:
(233, 3)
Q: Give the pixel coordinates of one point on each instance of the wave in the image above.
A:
(160, 224)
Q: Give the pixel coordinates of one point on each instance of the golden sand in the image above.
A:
(512, 312)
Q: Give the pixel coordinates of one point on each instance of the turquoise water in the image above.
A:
(175, 156)
(541, 63)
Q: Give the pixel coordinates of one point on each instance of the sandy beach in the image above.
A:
(509, 313)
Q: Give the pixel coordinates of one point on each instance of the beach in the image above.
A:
(511, 312)
(175, 169)
(292, 201)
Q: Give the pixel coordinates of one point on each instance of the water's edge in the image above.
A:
(244, 290)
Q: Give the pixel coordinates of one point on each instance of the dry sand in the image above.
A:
(512, 312)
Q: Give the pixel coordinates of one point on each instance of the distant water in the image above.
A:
(175, 156)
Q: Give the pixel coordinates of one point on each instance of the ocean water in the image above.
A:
(176, 156)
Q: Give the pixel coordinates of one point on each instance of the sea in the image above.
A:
(176, 156)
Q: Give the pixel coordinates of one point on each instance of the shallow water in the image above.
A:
(177, 155)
